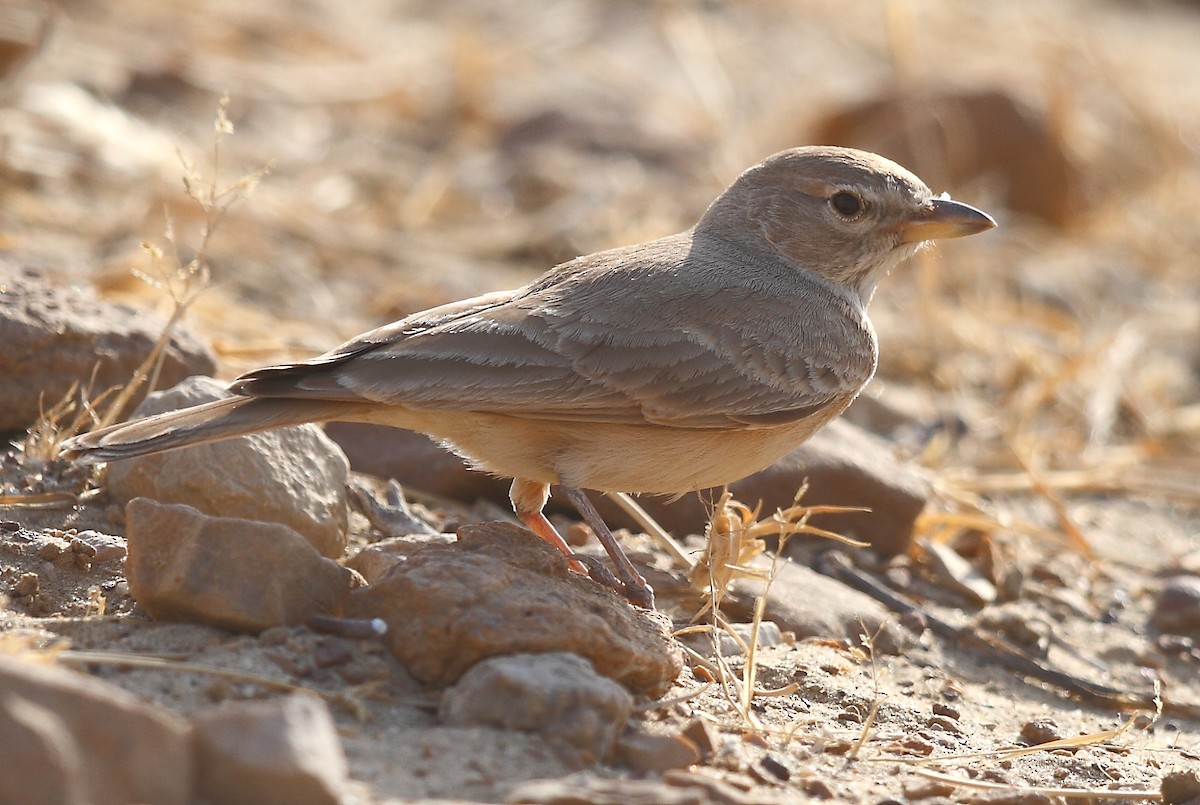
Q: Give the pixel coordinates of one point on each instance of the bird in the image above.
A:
(663, 367)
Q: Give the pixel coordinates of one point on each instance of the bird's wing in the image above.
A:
(594, 344)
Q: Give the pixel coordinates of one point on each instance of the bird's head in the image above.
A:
(846, 215)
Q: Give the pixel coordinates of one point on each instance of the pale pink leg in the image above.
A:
(528, 498)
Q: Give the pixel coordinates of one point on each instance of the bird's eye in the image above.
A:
(846, 204)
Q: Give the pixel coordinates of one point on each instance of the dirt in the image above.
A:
(422, 152)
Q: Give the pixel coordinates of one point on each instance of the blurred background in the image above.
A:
(420, 152)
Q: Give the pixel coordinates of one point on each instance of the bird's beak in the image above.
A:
(944, 218)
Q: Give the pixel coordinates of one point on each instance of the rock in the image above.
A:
(554, 693)
(414, 460)
(650, 753)
(962, 137)
(39, 761)
(55, 336)
(295, 476)
(810, 604)
(500, 590)
(236, 574)
(1177, 607)
(1180, 788)
(769, 635)
(283, 750)
(1040, 731)
(376, 560)
(65, 737)
(844, 466)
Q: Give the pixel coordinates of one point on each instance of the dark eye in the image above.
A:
(846, 204)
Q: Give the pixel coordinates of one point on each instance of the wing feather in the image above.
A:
(610, 338)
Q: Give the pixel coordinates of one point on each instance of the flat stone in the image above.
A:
(1177, 607)
(222, 571)
(95, 742)
(295, 476)
(647, 752)
(376, 560)
(554, 693)
(809, 604)
(55, 336)
(500, 590)
(283, 750)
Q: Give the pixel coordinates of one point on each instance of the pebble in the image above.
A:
(500, 590)
(1177, 607)
(556, 694)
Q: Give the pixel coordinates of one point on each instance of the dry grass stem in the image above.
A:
(643, 518)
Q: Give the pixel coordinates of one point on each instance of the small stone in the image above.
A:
(700, 733)
(284, 751)
(940, 709)
(556, 694)
(1177, 607)
(500, 590)
(770, 770)
(9, 525)
(769, 635)
(377, 559)
(102, 547)
(331, 652)
(650, 753)
(97, 742)
(294, 476)
(945, 725)
(50, 551)
(1040, 732)
(236, 574)
(26, 584)
(1180, 788)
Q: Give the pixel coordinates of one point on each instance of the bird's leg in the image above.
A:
(633, 584)
(528, 498)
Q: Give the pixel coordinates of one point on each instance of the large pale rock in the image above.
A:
(283, 751)
(236, 574)
(68, 738)
(500, 590)
(295, 476)
(803, 601)
(55, 336)
(556, 694)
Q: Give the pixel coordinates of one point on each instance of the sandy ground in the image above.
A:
(421, 152)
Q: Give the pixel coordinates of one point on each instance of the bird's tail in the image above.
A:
(209, 422)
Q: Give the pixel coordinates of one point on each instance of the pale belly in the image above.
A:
(610, 457)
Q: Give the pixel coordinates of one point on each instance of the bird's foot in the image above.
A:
(636, 591)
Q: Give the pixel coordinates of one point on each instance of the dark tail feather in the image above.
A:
(210, 422)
